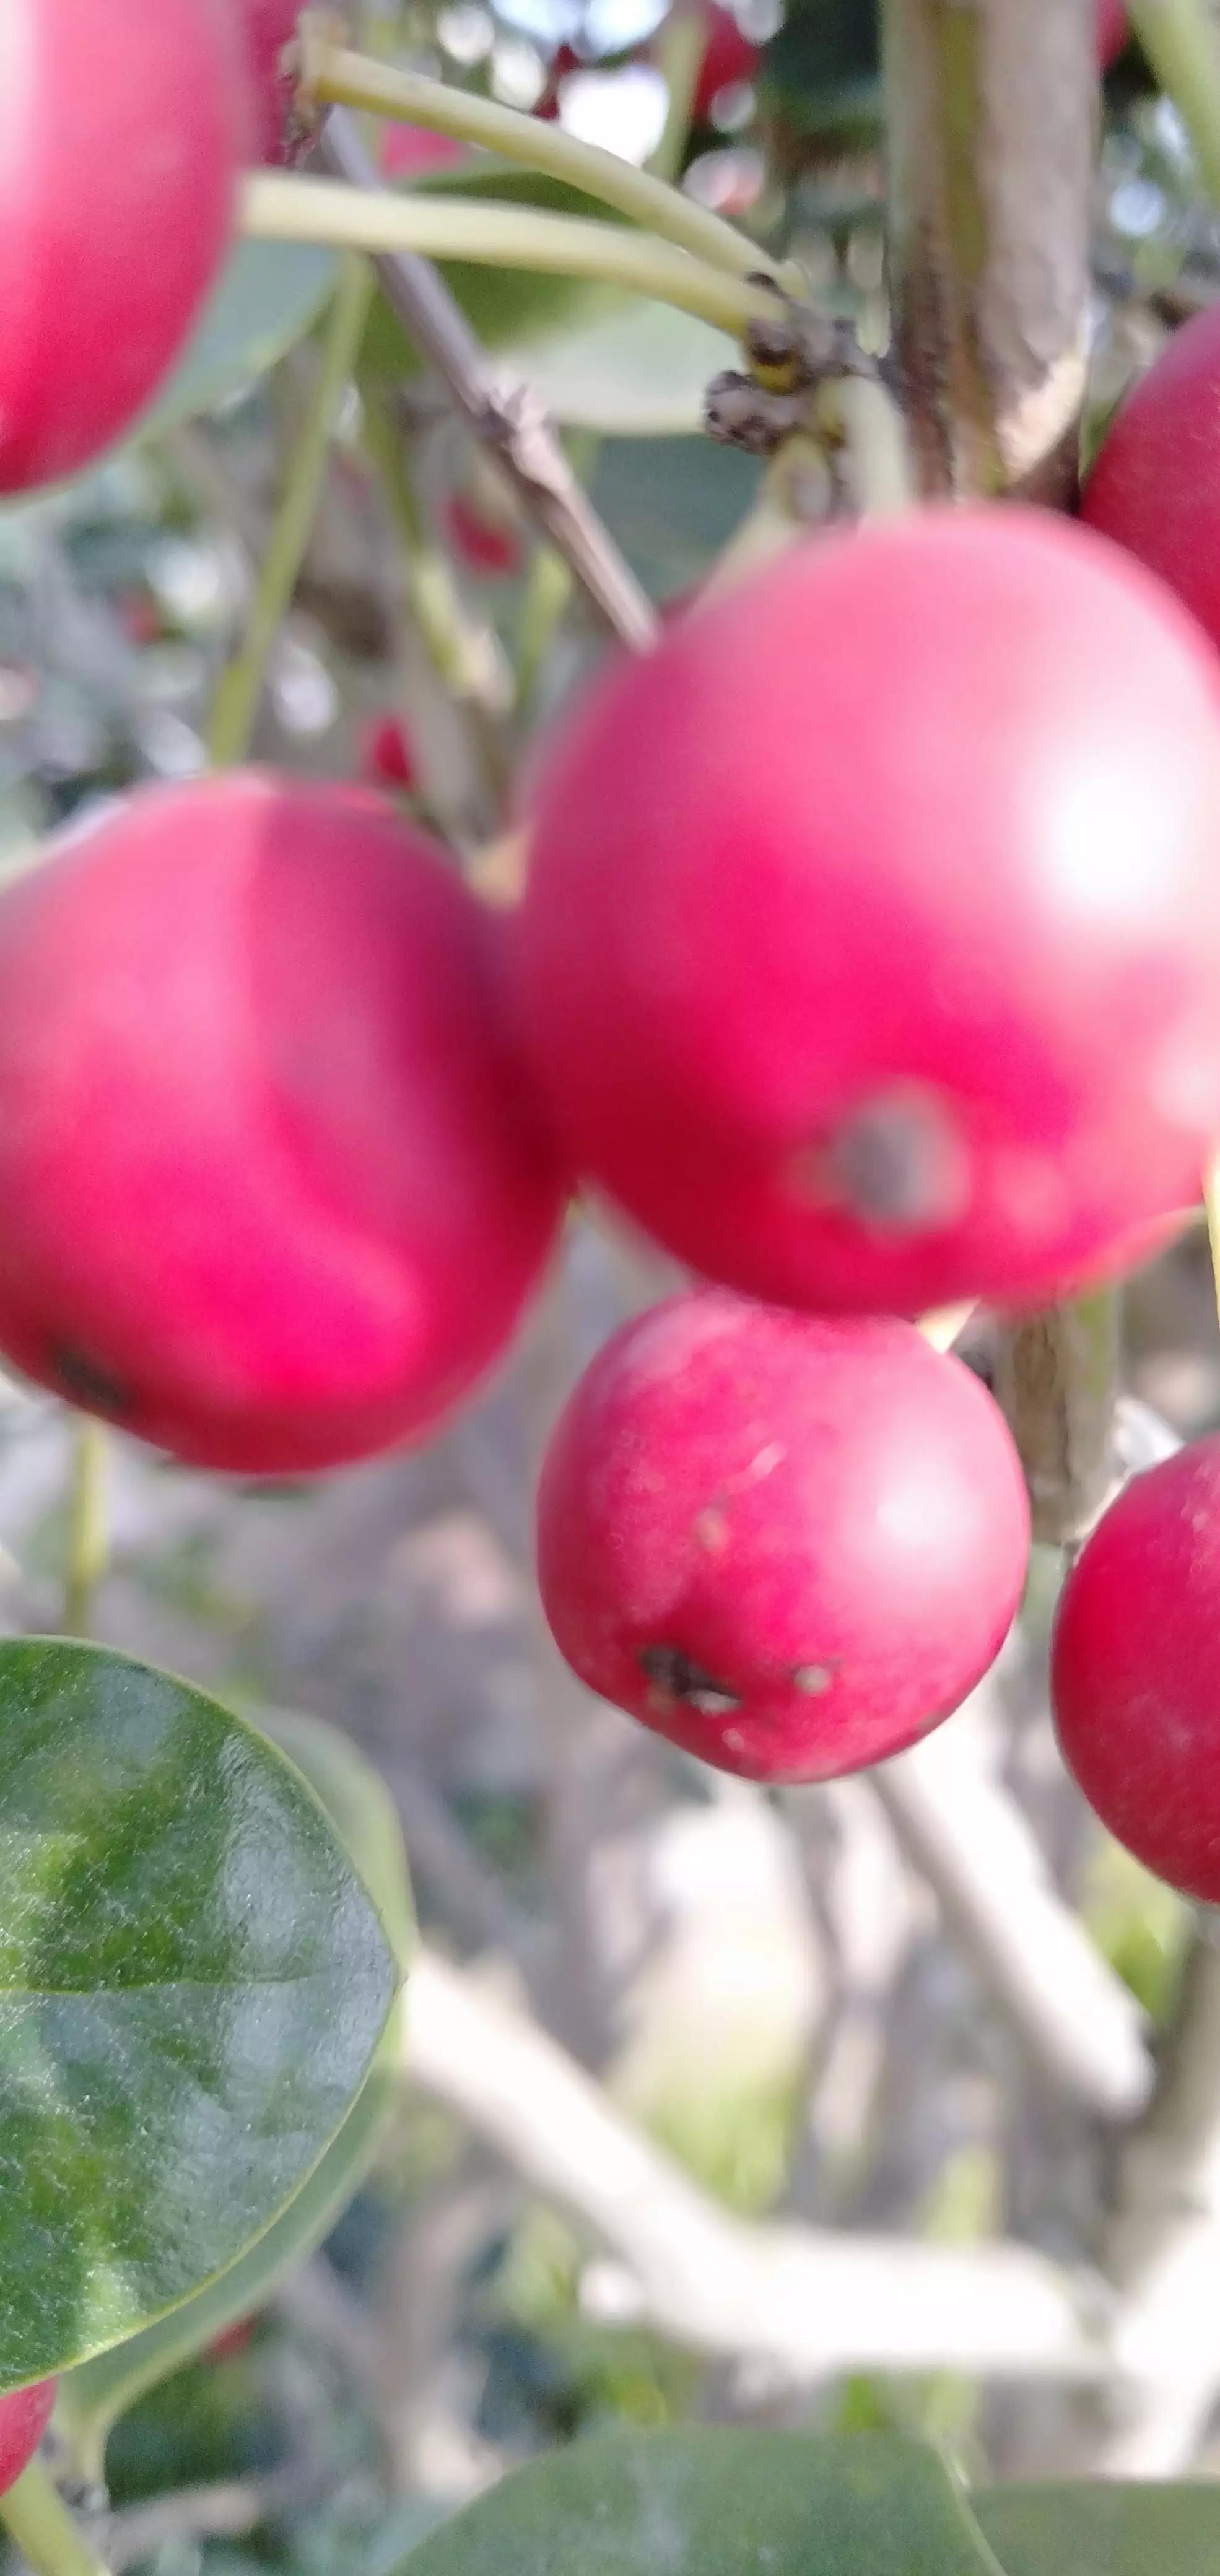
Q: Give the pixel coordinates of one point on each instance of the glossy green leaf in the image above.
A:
(1102, 2530)
(705, 2501)
(269, 295)
(363, 1813)
(193, 1982)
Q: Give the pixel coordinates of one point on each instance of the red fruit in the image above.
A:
(486, 547)
(24, 2418)
(1136, 1669)
(235, 2339)
(728, 57)
(1155, 483)
(1111, 31)
(789, 1544)
(270, 25)
(272, 1198)
(870, 954)
(408, 149)
(385, 753)
(122, 132)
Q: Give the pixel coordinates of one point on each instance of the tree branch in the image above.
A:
(1162, 2252)
(968, 1839)
(808, 2303)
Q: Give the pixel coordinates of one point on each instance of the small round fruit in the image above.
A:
(870, 954)
(122, 133)
(24, 2418)
(1154, 487)
(1111, 31)
(272, 1194)
(729, 58)
(491, 547)
(789, 1543)
(386, 757)
(1135, 1671)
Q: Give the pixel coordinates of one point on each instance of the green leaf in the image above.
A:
(363, 1814)
(708, 2502)
(193, 1982)
(269, 295)
(672, 503)
(633, 370)
(1103, 2530)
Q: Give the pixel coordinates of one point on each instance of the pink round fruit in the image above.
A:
(789, 1543)
(1111, 31)
(1135, 1673)
(24, 2418)
(386, 758)
(729, 57)
(870, 954)
(272, 1194)
(1154, 488)
(122, 135)
(491, 547)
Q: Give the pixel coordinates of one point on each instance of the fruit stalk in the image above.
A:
(39, 2524)
(278, 206)
(237, 697)
(334, 76)
(88, 1544)
(989, 115)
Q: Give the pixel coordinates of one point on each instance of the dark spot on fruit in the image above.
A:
(898, 1162)
(88, 1383)
(669, 1670)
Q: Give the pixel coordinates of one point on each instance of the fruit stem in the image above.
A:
(277, 205)
(334, 76)
(678, 52)
(236, 703)
(859, 417)
(88, 1538)
(1180, 41)
(39, 2524)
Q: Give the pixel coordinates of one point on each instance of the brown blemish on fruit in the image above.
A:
(88, 1383)
(898, 1162)
(674, 1676)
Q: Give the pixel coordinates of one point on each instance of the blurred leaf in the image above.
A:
(707, 2501)
(505, 306)
(193, 1985)
(634, 370)
(822, 71)
(672, 504)
(364, 1816)
(269, 296)
(1105, 2530)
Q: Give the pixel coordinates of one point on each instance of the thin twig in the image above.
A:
(506, 418)
(807, 2303)
(968, 1839)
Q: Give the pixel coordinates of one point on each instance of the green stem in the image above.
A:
(276, 205)
(332, 74)
(88, 1540)
(1180, 41)
(38, 2522)
(236, 703)
(680, 47)
(862, 416)
(548, 589)
(455, 647)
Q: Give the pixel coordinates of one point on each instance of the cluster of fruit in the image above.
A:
(869, 960)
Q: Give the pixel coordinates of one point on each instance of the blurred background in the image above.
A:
(764, 1985)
